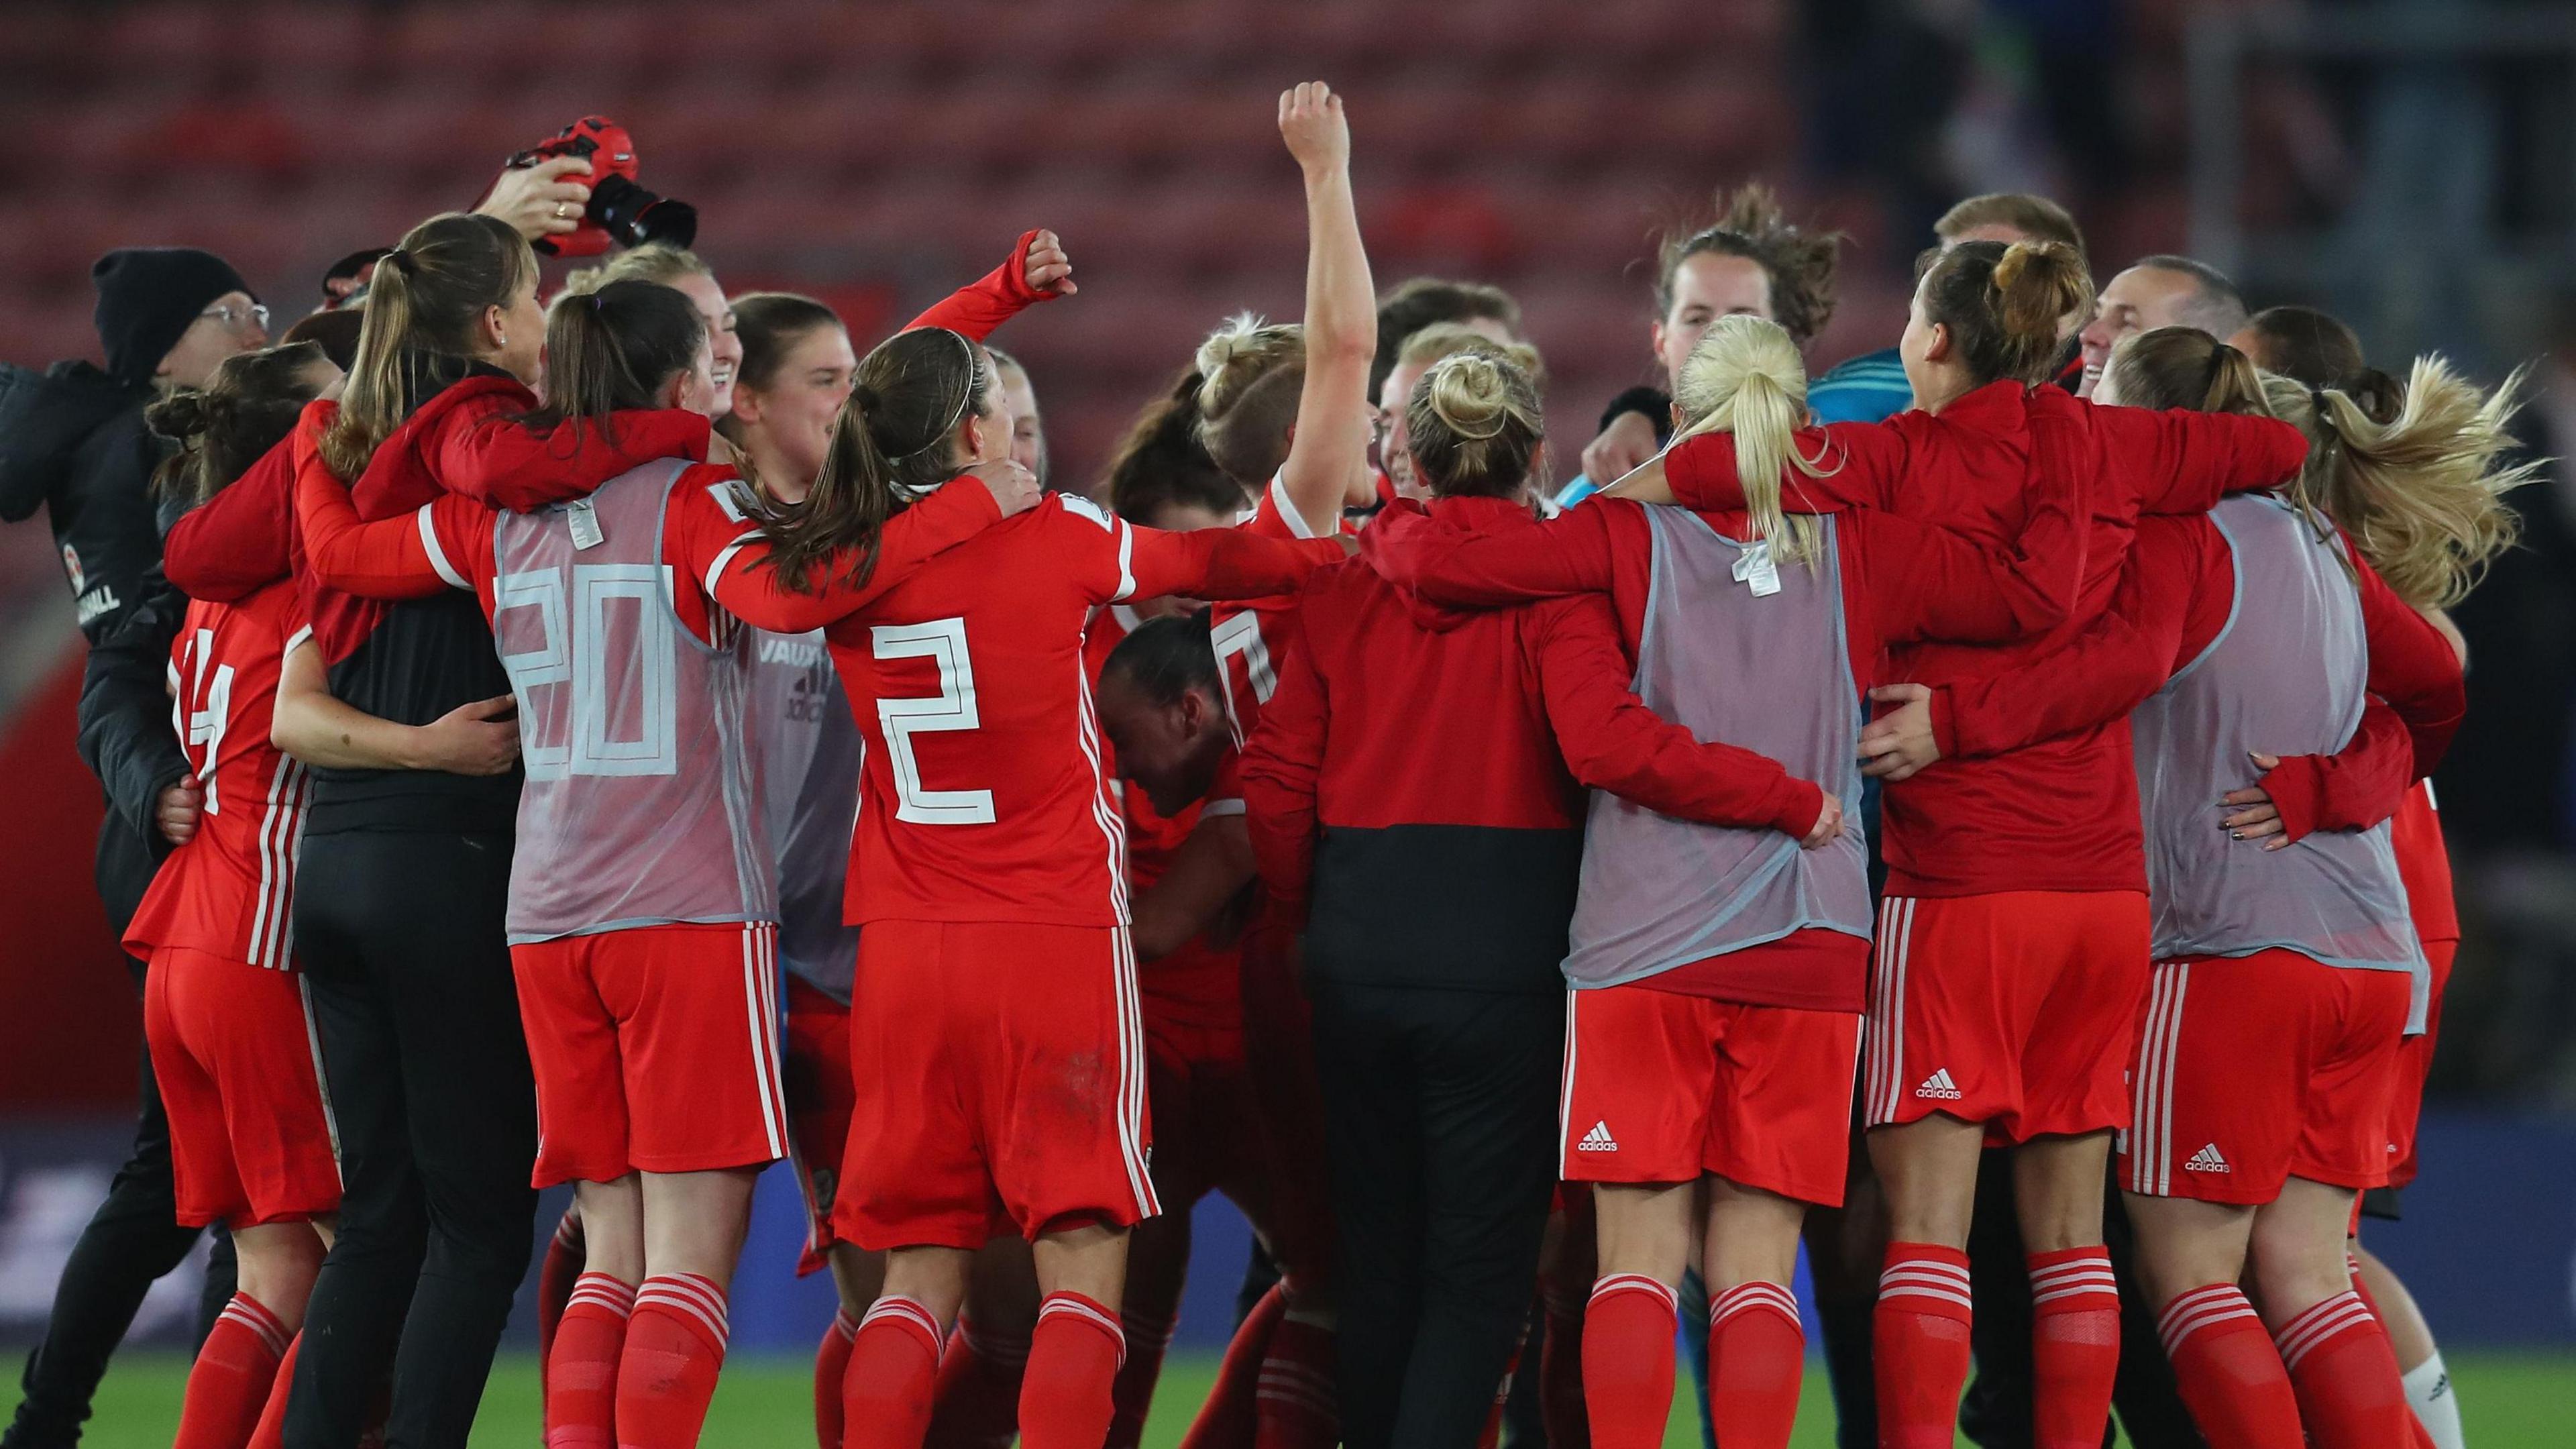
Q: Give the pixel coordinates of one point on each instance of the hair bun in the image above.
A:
(1469, 393)
(183, 415)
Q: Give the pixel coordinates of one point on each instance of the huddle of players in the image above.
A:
(2079, 936)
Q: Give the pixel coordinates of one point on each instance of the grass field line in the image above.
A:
(2507, 1402)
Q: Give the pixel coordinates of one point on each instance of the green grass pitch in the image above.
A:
(2507, 1401)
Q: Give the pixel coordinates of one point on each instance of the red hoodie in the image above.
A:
(2061, 814)
(1410, 776)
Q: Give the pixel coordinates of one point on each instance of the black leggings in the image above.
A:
(426, 1068)
(1440, 1122)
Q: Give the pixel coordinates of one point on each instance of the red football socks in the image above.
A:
(1919, 1335)
(1756, 1355)
(1628, 1361)
(675, 1348)
(1149, 1335)
(229, 1385)
(271, 1433)
(885, 1395)
(557, 1275)
(1073, 1357)
(1225, 1419)
(2074, 1346)
(975, 1403)
(831, 1364)
(2229, 1373)
(2349, 1392)
(581, 1368)
(1297, 1404)
(1561, 1409)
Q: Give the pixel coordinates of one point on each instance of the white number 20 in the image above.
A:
(953, 708)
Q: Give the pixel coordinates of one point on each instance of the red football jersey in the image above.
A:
(985, 793)
(1247, 634)
(2424, 863)
(230, 890)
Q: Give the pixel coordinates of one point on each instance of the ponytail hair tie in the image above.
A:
(399, 259)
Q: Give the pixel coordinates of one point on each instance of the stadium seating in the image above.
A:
(892, 149)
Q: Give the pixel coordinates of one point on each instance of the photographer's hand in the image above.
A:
(541, 200)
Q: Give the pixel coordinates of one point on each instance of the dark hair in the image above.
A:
(1751, 225)
(770, 325)
(2002, 304)
(615, 349)
(2218, 309)
(335, 332)
(2036, 217)
(889, 445)
(1167, 658)
(1421, 301)
(2184, 367)
(1474, 423)
(2305, 344)
(1161, 462)
(248, 407)
(422, 305)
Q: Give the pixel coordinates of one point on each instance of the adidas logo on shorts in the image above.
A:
(1597, 1140)
(2206, 1160)
(1939, 1087)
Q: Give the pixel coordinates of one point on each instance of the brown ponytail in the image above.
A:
(2184, 367)
(421, 308)
(890, 444)
(615, 348)
(247, 407)
(2003, 304)
(1161, 463)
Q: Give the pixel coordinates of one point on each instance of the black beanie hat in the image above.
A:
(148, 297)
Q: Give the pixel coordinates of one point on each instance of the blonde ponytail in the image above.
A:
(1745, 379)
(2421, 493)
(1252, 377)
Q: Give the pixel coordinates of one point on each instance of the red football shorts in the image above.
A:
(2414, 1064)
(2255, 1068)
(2017, 1009)
(1662, 1087)
(240, 1074)
(999, 1073)
(819, 1094)
(656, 1050)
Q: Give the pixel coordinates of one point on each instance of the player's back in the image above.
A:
(230, 889)
(984, 795)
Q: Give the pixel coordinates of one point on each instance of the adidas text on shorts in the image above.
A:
(2254, 1069)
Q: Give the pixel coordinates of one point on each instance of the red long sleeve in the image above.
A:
(979, 308)
(1572, 553)
(1866, 463)
(737, 572)
(2184, 461)
(242, 539)
(1612, 741)
(1281, 765)
(485, 455)
(2125, 655)
(1222, 563)
(386, 559)
(2354, 788)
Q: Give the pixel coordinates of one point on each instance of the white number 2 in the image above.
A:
(953, 708)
